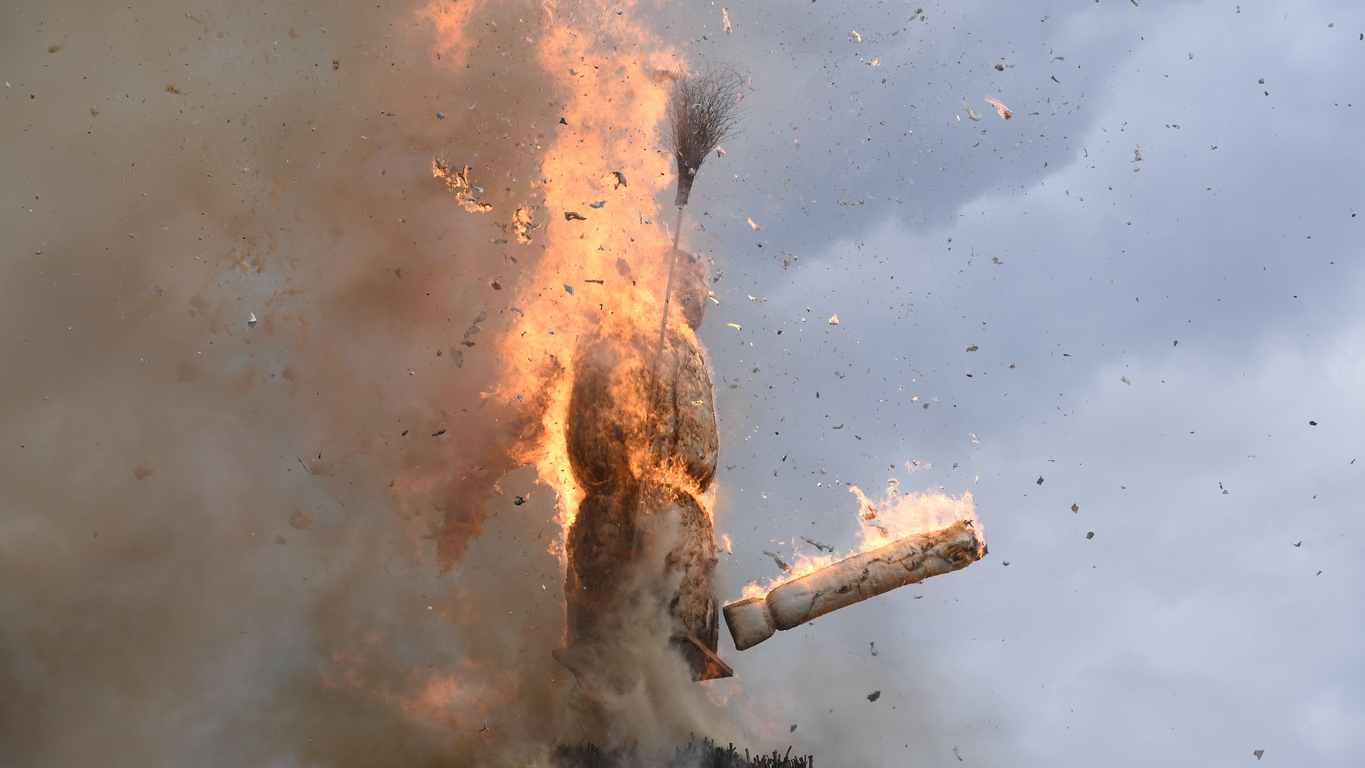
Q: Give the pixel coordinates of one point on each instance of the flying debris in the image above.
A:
(972, 113)
(755, 226)
(251, 321)
(785, 568)
(827, 548)
(725, 18)
(574, 216)
(1004, 111)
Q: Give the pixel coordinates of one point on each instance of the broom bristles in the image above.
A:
(703, 109)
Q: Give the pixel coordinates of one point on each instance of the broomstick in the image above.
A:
(702, 109)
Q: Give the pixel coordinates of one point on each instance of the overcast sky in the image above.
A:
(1135, 309)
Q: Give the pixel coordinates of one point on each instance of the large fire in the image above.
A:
(602, 360)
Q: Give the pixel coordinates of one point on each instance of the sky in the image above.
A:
(1132, 310)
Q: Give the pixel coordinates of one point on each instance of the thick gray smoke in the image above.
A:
(247, 338)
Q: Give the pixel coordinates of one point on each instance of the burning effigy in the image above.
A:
(604, 365)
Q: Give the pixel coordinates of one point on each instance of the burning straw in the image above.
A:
(905, 561)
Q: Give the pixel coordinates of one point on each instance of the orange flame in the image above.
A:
(600, 243)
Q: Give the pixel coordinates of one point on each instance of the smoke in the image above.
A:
(221, 539)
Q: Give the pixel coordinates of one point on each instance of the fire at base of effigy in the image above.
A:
(908, 560)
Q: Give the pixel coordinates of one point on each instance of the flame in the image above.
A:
(599, 179)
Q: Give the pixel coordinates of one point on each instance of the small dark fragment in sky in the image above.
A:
(440, 115)
(821, 546)
(1090, 534)
(874, 648)
(1006, 562)
(562, 121)
(1040, 479)
(438, 433)
(1258, 753)
(405, 433)
(1298, 543)
(568, 288)
(518, 500)
(1312, 423)
(496, 286)
(793, 730)
(973, 348)
(597, 204)
(1075, 508)
(574, 216)
(874, 695)
(599, 282)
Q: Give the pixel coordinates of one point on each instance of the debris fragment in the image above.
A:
(725, 19)
(1089, 534)
(1125, 380)
(874, 648)
(518, 500)
(973, 348)
(618, 179)
(1075, 508)
(438, 432)
(755, 226)
(440, 115)
(785, 568)
(972, 113)
(855, 37)
(521, 223)
(597, 204)
(568, 289)
(833, 319)
(574, 216)
(459, 184)
(874, 695)
(1004, 111)
(474, 328)
(1258, 752)
(301, 521)
(251, 320)
(1040, 479)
